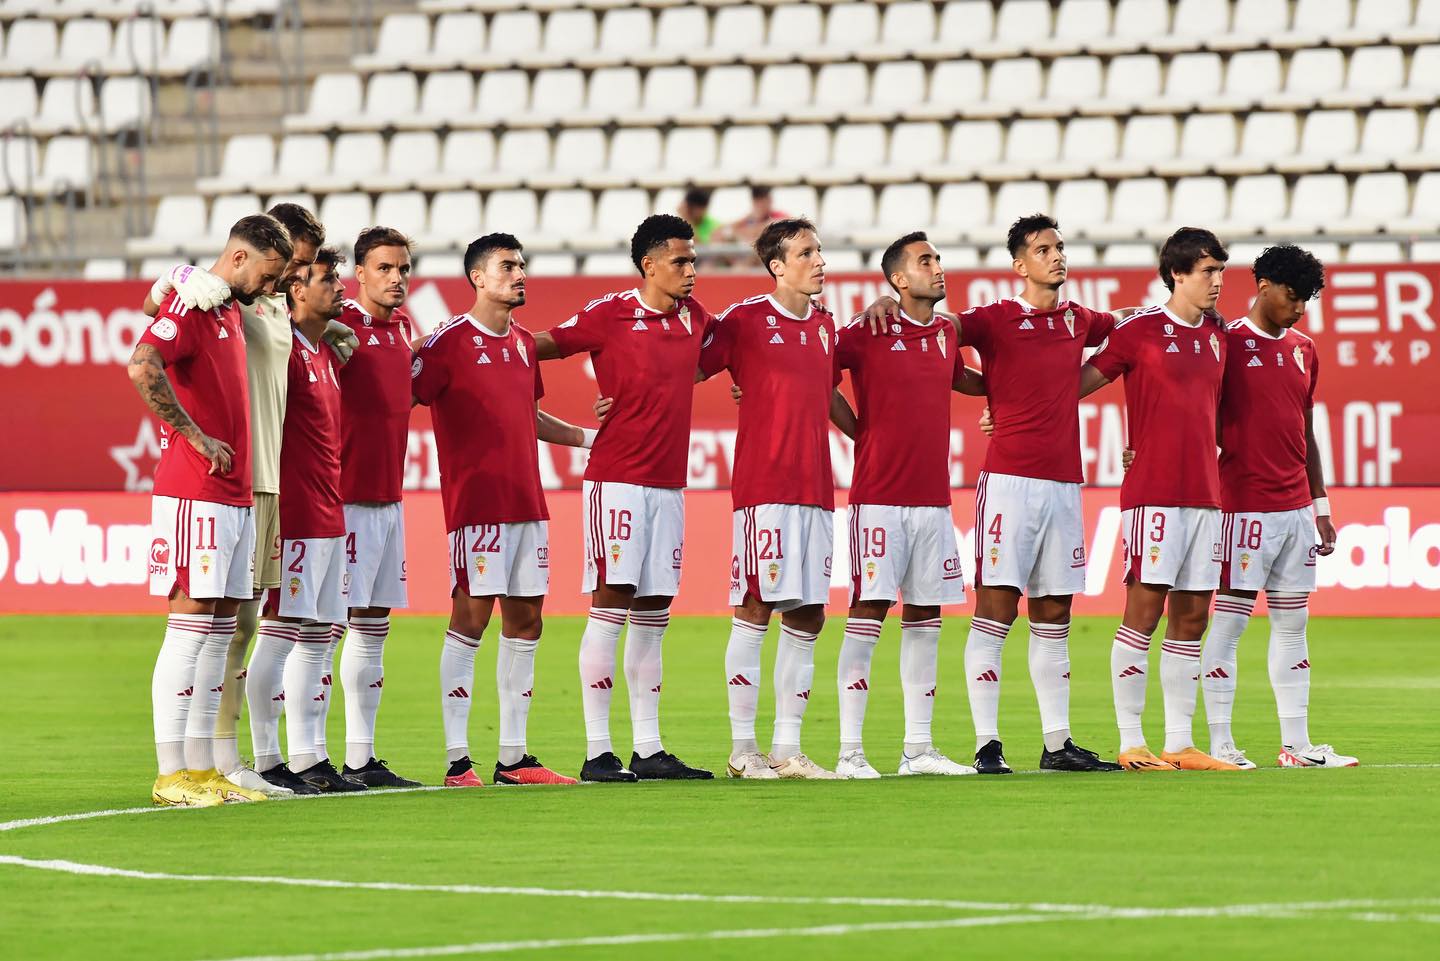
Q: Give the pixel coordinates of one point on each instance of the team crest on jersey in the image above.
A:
(1215, 347)
(1070, 321)
(1154, 555)
(770, 320)
(368, 320)
(774, 573)
(775, 338)
(294, 586)
(803, 341)
(520, 349)
(505, 354)
(1255, 362)
(416, 367)
(898, 345)
(1299, 358)
(1169, 330)
(1244, 562)
(824, 338)
(1026, 325)
(684, 317)
(1249, 343)
(1196, 345)
(894, 328)
(924, 346)
(1172, 349)
(940, 340)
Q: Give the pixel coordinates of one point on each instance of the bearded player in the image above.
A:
(480, 377)
(190, 369)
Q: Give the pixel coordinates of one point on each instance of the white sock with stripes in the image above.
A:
(305, 695)
(1050, 673)
(515, 685)
(1219, 665)
(742, 677)
(597, 676)
(1129, 658)
(265, 688)
(1179, 672)
(457, 680)
(1289, 662)
(232, 698)
(327, 691)
(794, 674)
(982, 676)
(644, 675)
(172, 685)
(362, 677)
(853, 679)
(205, 703)
(919, 669)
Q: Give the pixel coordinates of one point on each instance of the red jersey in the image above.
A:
(204, 354)
(902, 396)
(375, 402)
(1269, 385)
(1031, 360)
(1172, 392)
(786, 366)
(481, 388)
(310, 504)
(646, 360)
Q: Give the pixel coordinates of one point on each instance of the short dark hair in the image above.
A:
(324, 257)
(300, 222)
(770, 245)
(1026, 227)
(372, 237)
(482, 247)
(1184, 249)
(698, 197)
(895, 253)
(1295, 267)
(264, 232)
(656, 231)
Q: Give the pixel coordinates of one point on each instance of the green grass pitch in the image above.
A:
(1271, 864)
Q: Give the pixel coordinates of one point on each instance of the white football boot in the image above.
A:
(1316, 755)
(244, 777)
(853, 766)
(751, 765)
(932, 761)
(1235, 756)
(800, 766)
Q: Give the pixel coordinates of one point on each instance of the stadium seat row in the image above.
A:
(691, 33)
(811, 153)
(63, 10)
(567, 96)
(66, 166)
(1143, 208)
(69, 104)
(139, 45)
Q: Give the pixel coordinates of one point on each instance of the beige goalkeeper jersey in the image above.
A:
(267, 353)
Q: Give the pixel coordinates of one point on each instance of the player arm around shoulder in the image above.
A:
(553, 430)
(147, 373)
(196, 287)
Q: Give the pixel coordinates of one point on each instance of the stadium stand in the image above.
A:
(566, 121)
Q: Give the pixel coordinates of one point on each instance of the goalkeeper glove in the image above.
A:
(197, 288)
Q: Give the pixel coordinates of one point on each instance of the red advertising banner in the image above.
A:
(74, 422)
(83, 553)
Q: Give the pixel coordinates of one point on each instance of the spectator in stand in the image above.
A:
(747, 228)
(694, 210)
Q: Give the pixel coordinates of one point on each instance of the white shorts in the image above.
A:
(501, 560)
(1269, 551)
(312, 581)
(1175, 546)
(1029, 535)
(781, 554)
(633, 535)
(205, 549)
(375, 555)
(909, 550)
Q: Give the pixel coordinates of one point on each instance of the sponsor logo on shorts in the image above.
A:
(675, 556)
(828, 562)
(159, 557)
(542, 557)
(294, 586)
(1217, 552)
(404, 572)
(952, 568)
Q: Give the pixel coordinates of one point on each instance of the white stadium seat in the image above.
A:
(795, 27)
(501, 93)
(390, 97)
(31, 44)
(404, 210)
(69, 166)
(446, 97)
(455, 216)
(18, 100)
(125, 102)
(627, 31)
(570, 32)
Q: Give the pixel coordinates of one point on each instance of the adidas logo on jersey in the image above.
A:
(1254, 362)
(898, 345)
(775, 338)
(223, 335)
(1026, 325)
(1172, 349)
(639, 325)
(484, 359)
(373, 341)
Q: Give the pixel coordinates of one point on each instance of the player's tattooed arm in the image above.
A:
(553, 430)
(842, 415)
(147, 373)
(1315, 473)
(1091, 380)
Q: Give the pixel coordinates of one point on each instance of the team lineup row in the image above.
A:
(285, 498)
